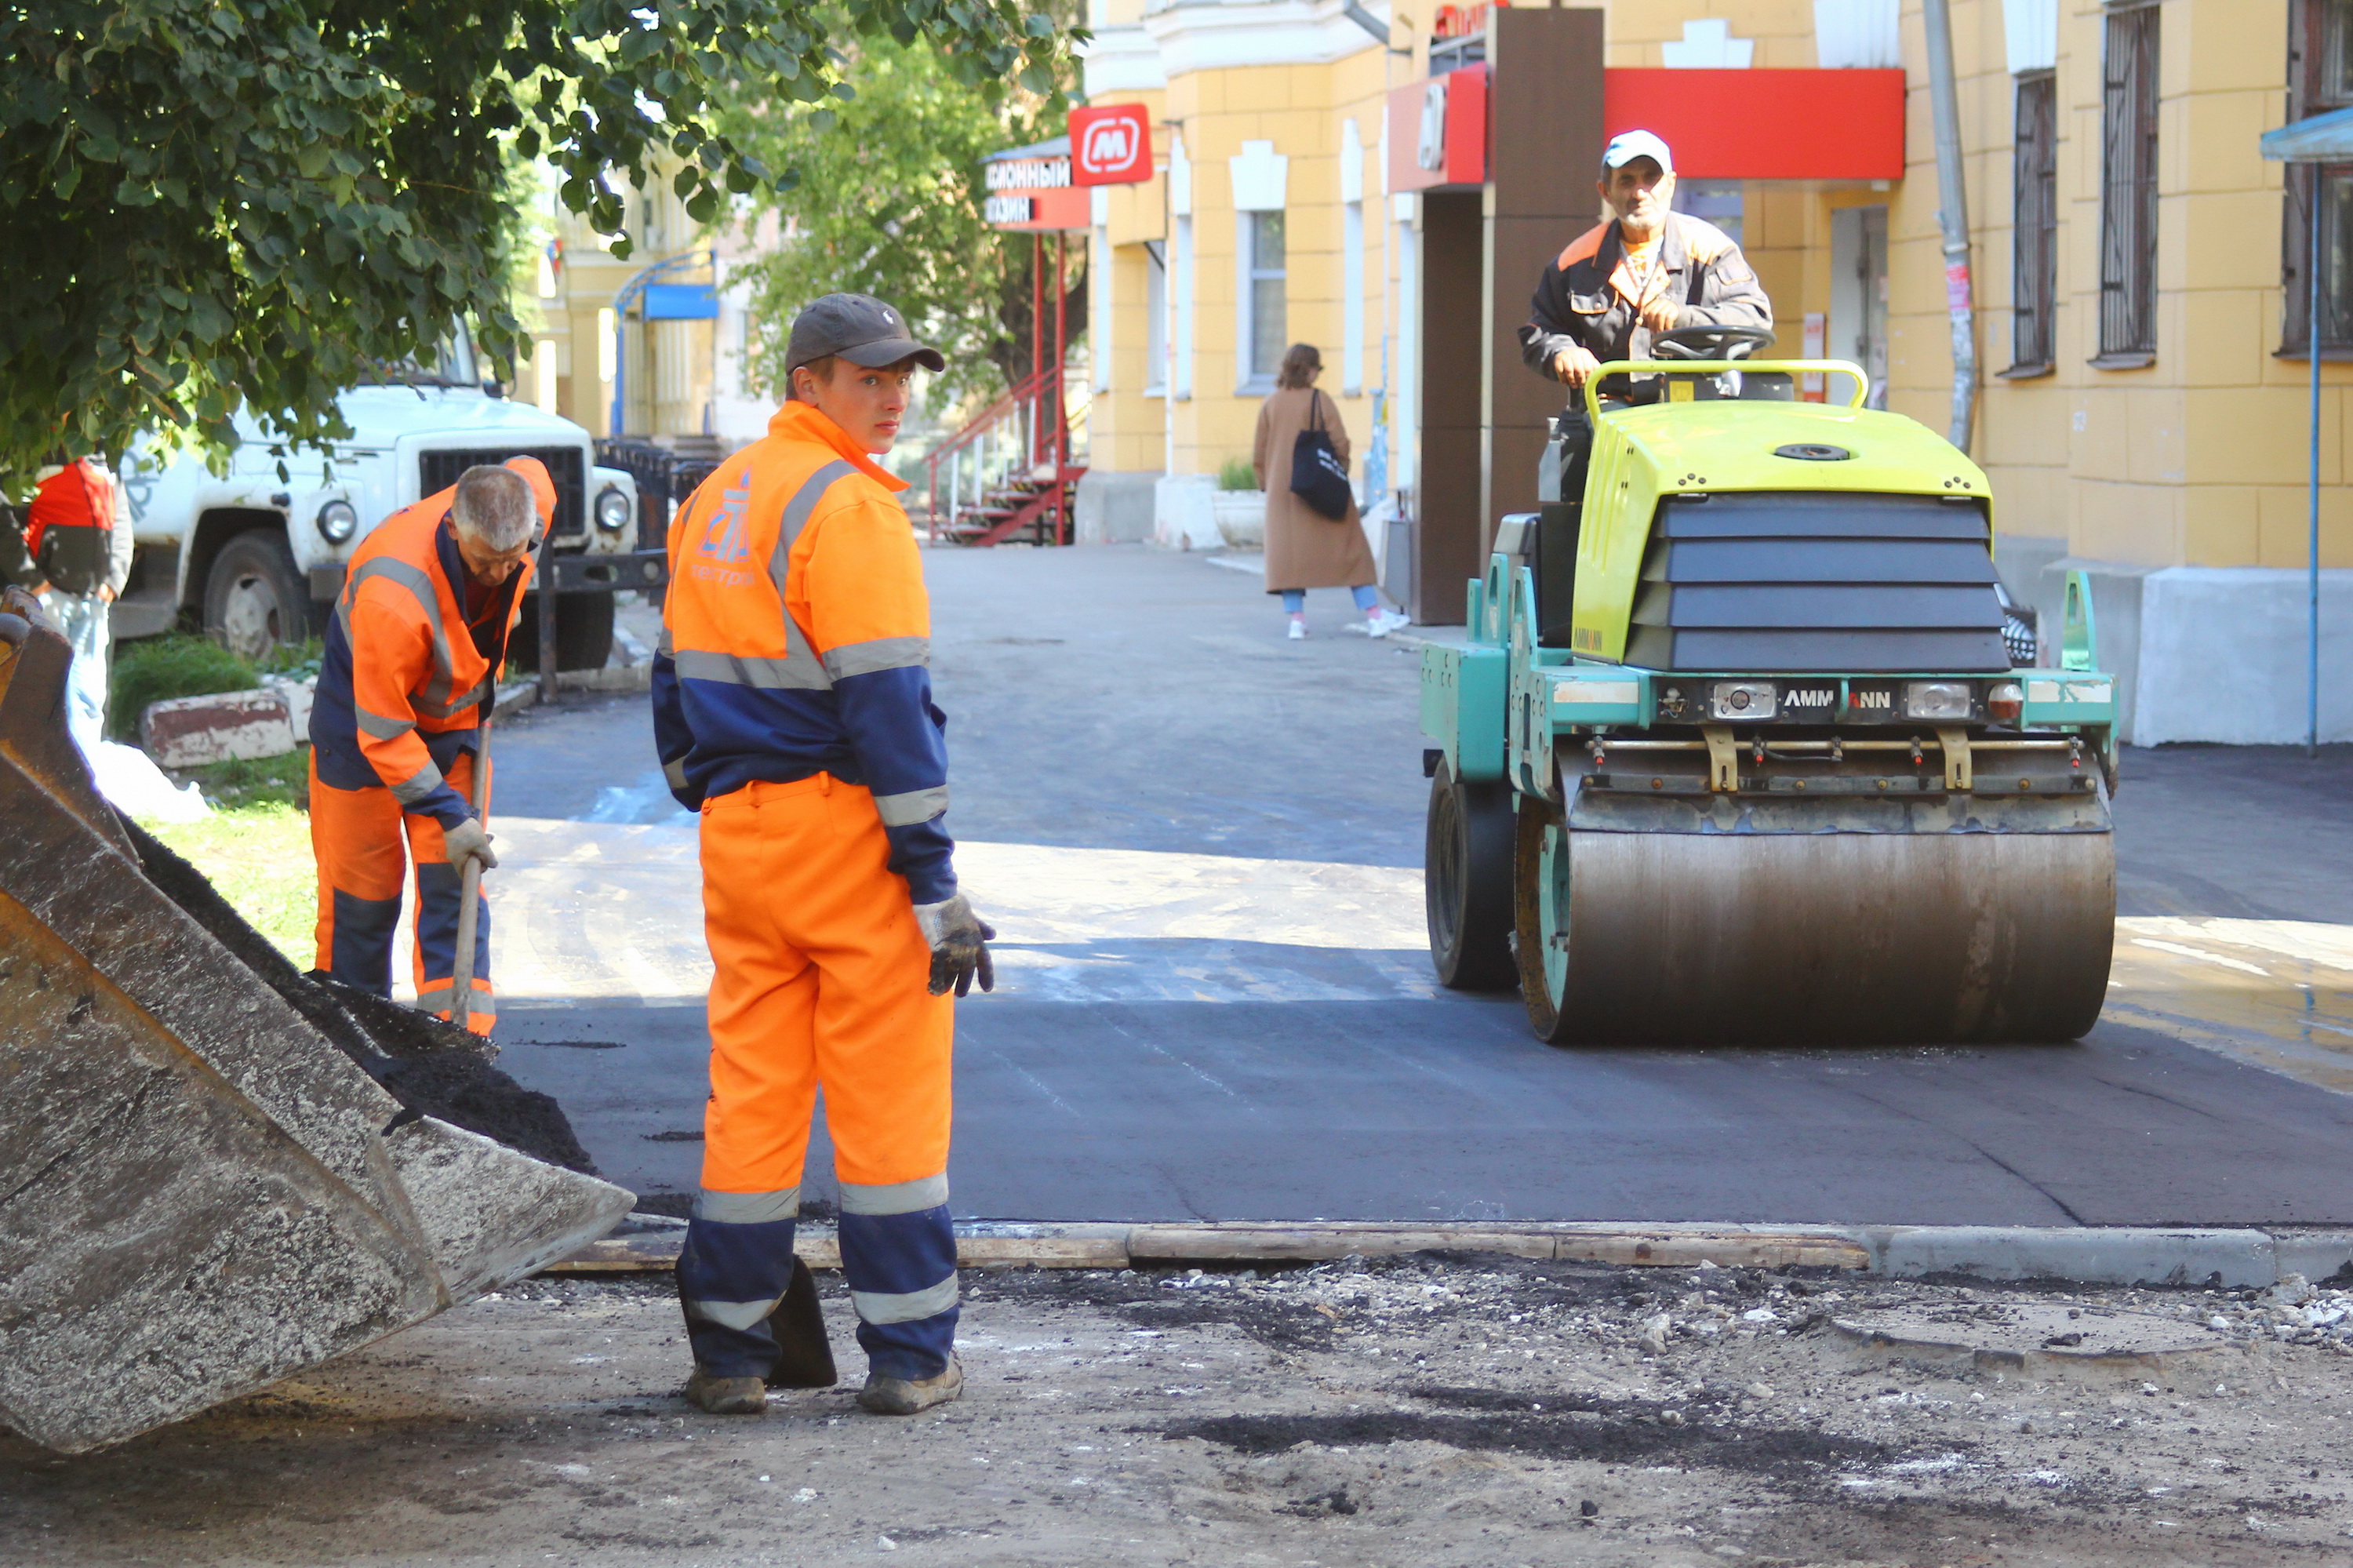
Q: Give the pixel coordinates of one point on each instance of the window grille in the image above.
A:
(2034, 226)
(2128, 106)
(2320, 77)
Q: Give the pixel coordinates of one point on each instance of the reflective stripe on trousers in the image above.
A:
(357, 838)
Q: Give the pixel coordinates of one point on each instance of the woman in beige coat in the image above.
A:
(1305, 549)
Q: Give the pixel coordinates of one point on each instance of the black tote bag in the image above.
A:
(1318, 476)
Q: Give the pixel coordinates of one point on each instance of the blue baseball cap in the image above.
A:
(1628, 145)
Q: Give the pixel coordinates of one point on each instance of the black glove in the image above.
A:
(958, 940)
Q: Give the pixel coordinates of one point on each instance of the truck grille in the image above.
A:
(1792, 581)
(439, 470)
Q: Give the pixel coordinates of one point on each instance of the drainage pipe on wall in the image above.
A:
(1953, 215)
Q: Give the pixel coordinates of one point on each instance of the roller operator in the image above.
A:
(793, 710)
(1646, 270)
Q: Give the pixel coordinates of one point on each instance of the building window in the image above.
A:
(1262, 312)
(2034, 226)
(1099, 307)
(1718, 203)
(1351, 296)
(2320, 77)
(1180, 282)
(1155, 318)
(2128, 187)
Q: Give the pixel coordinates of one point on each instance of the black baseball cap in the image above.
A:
(861, 329)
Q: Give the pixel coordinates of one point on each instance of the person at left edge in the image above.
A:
(75, 552)
(412, 663)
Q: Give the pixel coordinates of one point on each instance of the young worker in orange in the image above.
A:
(793, 709)
(412, 663)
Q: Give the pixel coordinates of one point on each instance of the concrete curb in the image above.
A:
(2088, 1256)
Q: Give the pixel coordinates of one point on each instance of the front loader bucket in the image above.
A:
(212, 1173)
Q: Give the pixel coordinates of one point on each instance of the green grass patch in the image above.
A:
(157, 669)
(295, 660)
(1237, 473)
(267, 781)
(260, 858)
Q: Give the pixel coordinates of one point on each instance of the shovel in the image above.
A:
(469, 887)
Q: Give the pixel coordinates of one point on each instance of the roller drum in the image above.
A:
(1913, 936)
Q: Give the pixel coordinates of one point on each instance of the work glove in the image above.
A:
(957, 939)
(468, 840)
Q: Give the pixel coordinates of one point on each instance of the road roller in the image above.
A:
(1747, 744)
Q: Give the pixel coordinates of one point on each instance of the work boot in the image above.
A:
(726, 1395)
(885, 1395)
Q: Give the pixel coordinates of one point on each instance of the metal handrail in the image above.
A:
(1718, 367)
(1026, 394)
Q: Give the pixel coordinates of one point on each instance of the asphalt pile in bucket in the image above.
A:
(431, 1067)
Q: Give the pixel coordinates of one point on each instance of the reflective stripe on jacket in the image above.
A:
(1587, 298)
(797, 640)
(405, 675)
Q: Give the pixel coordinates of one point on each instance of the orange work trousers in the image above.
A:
(363, 841)
(822, 981)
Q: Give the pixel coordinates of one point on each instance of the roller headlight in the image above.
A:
(1742, 700)
(1937, 700)
(338, 522)
(612, 509)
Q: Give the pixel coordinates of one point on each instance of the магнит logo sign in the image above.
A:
(1110, 144)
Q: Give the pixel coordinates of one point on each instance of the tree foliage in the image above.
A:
(211, 202)
(888, 203)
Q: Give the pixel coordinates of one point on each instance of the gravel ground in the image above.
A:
(1438, 1410)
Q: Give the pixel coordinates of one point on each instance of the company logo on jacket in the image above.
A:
(724, 540)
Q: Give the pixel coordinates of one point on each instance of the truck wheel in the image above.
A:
(584, 633)
(1540, 917)
(1467, 883)
(254, 598)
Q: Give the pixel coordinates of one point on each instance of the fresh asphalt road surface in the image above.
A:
(1202, 842)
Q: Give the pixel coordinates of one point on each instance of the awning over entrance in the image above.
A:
(1765, 124)
(1723, 124)
(2323, 139)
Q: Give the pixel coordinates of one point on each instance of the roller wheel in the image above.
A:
(1467, 883)
(1540, 909)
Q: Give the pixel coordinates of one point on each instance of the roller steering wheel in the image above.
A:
(1711, 342)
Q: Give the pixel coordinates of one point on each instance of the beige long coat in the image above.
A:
(1304, 549)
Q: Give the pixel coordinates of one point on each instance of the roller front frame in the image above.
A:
(1841, 870)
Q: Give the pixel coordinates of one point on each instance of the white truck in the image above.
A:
(258, 557)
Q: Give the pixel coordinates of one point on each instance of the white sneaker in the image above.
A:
(1298, 631)
(1389, 620)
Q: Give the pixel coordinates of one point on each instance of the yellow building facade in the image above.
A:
(2142, 399)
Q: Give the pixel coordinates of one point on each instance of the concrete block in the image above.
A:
(2316, 1254)
(298, 695)
(2092, 1255)
(188, 732)
(1184, 512)
(1114, 508)
(2223, 655)
(1242, 518)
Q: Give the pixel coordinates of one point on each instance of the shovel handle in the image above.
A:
(469, 888)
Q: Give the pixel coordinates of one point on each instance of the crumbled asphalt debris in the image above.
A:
(1639, 1439)
(431, 1067)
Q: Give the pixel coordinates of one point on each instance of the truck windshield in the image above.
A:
(451, 364)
